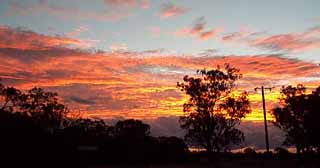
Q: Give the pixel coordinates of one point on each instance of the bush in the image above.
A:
(281, 153)
(249, 151)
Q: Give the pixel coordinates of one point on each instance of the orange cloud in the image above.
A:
(169, 10)
(129, 84)
(113, 84)
(208, 34)
(25, 39)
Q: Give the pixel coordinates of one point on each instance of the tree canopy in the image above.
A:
(44, 107)
(213, 110)
(298, 116)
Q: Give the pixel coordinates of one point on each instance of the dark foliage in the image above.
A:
(213, 111)
(249, 151)
(299, 117)
(36, 131)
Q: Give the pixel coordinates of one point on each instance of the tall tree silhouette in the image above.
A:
(213, 111)
(298, 116)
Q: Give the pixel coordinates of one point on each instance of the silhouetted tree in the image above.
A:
(213, 111)
(28, 125)
(298, 116)
(43, 107)
(171, 148)
(88, 132)
(9, 97)
(249, 151)
(281, 153)
(132, 139)
(132, 129)
(312, 119)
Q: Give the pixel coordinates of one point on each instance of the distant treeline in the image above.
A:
(36, 129)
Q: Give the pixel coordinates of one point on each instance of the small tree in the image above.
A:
(213, 111)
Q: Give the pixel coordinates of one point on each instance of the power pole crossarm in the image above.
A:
(264, 115)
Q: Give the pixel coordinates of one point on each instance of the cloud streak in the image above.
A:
(288, 42)
(169, 10)
(115, 10)
(128, 3)
(25, 39)
(198, 30)
(292, 42)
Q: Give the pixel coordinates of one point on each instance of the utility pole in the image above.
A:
(264, 114)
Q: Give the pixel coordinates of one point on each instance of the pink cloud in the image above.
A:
(155, 31)
(129, 3)
(112, 14)
(144, 4)
(243, 33)
(199, 25)
(198, 30)
(288, 42)
(208, 34)
(78, 30)
(25, 39)
(119, 47)
(292, 42)
(169, 10)
(182, 32)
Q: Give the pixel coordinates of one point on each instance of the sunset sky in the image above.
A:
(147, 46)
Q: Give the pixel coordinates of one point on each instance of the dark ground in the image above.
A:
(228, 164)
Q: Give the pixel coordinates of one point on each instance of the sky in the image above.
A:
(122, 58)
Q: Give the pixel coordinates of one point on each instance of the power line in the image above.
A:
(264, 114)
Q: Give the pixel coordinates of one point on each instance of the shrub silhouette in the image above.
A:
(249, 151)
(281, 153)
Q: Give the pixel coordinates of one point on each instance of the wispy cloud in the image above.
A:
(287, 42)
(208, 34)
(121, 47)
(43, 6)
(291, 42)
(243, 34)
(198, 30)
(78, 30)
(155, 31)
(169, 10)
(25, 39)
(129, 3)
